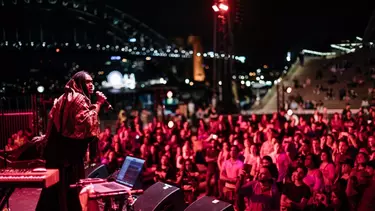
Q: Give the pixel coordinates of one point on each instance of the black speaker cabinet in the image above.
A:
(208, 203)
(97, 171)
(160, 197)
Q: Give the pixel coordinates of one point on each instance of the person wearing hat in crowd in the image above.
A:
(370, 168)
(357, 183)
(344, 173)
(367, 202)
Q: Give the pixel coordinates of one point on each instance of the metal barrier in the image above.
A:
(17, 113)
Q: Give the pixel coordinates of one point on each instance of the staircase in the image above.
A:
(297, 72)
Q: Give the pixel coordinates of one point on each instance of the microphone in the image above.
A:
(109, 106)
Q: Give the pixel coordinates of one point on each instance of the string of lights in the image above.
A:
(132, 50)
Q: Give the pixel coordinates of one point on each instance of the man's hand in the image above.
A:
(84, 198)
(38, 139)
(242, 173)
(101, 98)
(286, 203)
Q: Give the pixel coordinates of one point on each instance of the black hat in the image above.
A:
(348, 161)
(300, 156)
(371, 164)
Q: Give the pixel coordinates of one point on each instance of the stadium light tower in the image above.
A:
(280, 95)
(223, 44)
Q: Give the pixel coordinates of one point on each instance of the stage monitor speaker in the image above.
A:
(209, 203)
(160, 197)
(97, 171)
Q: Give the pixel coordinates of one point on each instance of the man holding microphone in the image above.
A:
(73, 124)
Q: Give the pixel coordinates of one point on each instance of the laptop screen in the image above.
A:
(129, 171)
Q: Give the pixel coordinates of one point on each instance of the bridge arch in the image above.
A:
(45, 20)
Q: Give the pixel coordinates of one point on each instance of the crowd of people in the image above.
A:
(262, 162)
(256, 163)
(18, 139)
(341, 79)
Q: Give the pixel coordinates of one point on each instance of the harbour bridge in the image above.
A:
(95, 32)
(43, 41)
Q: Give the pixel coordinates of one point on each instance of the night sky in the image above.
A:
(270, 27)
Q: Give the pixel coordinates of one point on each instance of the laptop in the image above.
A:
(126, 178)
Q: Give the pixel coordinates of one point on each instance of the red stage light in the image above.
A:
(215, 8)
(223, 7)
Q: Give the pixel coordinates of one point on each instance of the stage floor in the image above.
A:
(24, 199)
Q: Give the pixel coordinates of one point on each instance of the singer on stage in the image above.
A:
(73, 123)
